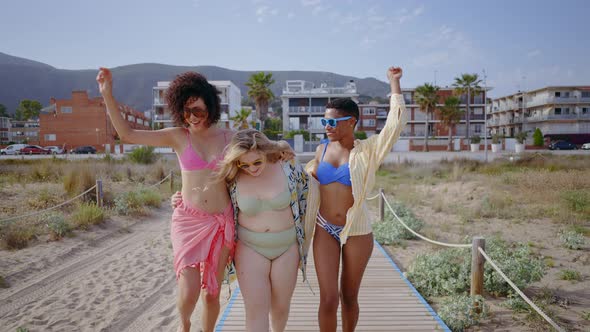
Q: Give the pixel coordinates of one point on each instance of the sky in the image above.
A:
(521, 45)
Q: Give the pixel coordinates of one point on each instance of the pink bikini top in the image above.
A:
(189, 160)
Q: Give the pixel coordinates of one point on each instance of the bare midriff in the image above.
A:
(336, 199)
(198, 191)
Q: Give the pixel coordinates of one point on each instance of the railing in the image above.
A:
(545, 117)
(306, 109)
(478, 258)
(99, 198)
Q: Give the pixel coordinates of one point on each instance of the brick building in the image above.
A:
(83, 121)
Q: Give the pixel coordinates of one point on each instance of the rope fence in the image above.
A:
(99, 198)
(478, 258)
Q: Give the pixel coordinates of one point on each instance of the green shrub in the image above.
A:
(391, 231)
(572, 240)
(586, 315)
(292, 133)
(360, 135)
(516, 304)
(447, 271)
(86, 215)
(475, 139)
(149, 197)
(521, 137)
(462, 311)
(17, 235)
(577, 200)
(22, 329)
(444, 272)
(57, 225)
(538, 138)
(44, 199)
(143, 155)
(128, 203)
(571, 275)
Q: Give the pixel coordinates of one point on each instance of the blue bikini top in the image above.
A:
(327, 173)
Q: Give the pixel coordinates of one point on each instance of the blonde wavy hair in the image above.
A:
(245, 141)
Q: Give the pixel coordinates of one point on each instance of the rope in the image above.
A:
(161, 181)
(421, 236)
(372, 198)
(531, 303)
(49, 209)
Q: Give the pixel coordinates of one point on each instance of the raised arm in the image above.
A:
(163, 137)
(395, 122)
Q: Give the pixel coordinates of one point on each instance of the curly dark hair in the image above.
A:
(192, 84)
(345, 106)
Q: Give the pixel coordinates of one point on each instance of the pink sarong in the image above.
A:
(197, 238)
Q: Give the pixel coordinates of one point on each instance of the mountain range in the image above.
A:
(27, 79)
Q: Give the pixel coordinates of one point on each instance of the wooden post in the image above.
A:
(171, 182)
(381, 205)
(99, 193)
(477, 265)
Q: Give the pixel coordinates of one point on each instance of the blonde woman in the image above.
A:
(268, 190)
(202, 228)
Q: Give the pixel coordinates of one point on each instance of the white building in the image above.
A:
(229, 93)
(304, 104)
(555, 110)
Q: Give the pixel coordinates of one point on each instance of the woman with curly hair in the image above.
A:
(202, 228)
(268, 189)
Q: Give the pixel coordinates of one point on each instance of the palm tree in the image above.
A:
(241, 119)
(450, 115)
(467, 84)
(259, 90)
(427, 97)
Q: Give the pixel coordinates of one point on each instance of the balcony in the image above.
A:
(159, 102)
(302, 110)
(546, 117)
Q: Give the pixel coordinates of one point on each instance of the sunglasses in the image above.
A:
(255, 163)
(196, 112)
(333, 122)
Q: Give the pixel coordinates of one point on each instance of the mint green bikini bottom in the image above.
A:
(269, 245)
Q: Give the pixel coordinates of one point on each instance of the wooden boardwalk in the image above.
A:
(387, 300)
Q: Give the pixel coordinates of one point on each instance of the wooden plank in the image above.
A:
(387, 303)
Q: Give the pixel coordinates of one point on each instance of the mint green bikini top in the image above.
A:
(252, 206)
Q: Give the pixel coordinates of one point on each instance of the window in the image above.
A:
(557, 111)
(584, 110)
(407, 97)
(478, 128)
(585, 94)
(368, 111)
(138, 121)
(66, 109)
(131, 118)
(557, 94)
(566, 110)
(566, 94)
(368, 123)
(50, 137)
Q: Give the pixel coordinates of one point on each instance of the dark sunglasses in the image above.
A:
(196, 112)
(333, 122)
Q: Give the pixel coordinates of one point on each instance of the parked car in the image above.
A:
(34, 149)
(586, 146)
(562, 145)
(55, 149)
(87, 149)
(12, 149)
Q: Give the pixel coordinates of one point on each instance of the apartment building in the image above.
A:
(304, 104)
(83, 121)
(5, 130)
(231, 103)
(373, 117)
(25, 131)
(560, 112)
